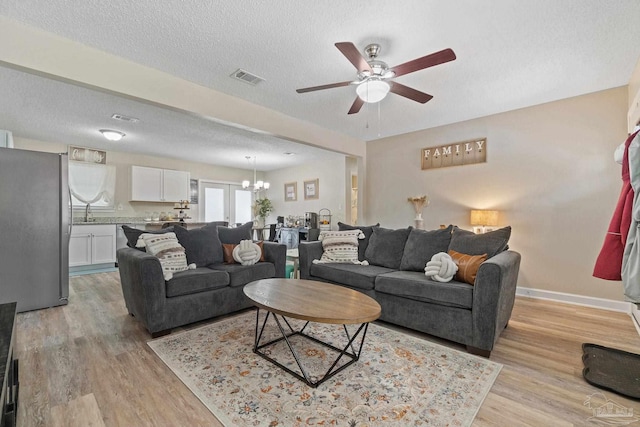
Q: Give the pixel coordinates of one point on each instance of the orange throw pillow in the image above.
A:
(227, 252)
(468, 266)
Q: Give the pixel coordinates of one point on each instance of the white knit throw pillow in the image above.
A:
(340, 246)
(441, 268)
(247, 252)
(166, 248)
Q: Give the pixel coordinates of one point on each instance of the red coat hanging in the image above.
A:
(609, 263)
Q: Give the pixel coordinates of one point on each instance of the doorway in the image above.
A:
(354, 199)
(224, 202)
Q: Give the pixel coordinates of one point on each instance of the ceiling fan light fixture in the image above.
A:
(373, 91)
(112, 135)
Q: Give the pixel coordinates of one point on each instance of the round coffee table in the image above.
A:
(314, 302)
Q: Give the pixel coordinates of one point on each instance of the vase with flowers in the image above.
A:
(261, 210)
(419, 203)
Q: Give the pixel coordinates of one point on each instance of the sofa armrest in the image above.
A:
(276, 253)
(494, 294)
(143, 286)
(307, 252)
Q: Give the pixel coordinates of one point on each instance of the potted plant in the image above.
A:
(262, 209)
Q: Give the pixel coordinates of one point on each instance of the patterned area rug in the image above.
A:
(399, 379)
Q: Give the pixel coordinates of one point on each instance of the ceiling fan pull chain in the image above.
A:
(379, 119)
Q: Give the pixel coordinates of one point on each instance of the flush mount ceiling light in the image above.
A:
(112, 135)
(373, 90)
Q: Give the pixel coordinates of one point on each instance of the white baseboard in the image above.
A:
(605, 304)
(635, 316)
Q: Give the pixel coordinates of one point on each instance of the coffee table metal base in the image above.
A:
(348, 351)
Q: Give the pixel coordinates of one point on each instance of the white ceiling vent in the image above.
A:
(124, 118)
(246, 77)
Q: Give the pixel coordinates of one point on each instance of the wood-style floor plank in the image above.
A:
(88, 364)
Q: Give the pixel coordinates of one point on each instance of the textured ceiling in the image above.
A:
(511, 54)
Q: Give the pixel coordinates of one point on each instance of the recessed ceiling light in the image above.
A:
(112, 135)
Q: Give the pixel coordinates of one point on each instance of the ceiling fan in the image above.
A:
(374, 77)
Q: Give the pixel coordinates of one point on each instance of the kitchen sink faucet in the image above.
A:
(88, 215)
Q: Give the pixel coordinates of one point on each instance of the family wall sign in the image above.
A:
(456, 154)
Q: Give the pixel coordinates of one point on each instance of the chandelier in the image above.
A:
(257, 185)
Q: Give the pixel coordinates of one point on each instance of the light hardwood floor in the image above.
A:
(87, 364)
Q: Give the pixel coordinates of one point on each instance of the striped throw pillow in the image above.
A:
(340, 246)
(167, 249)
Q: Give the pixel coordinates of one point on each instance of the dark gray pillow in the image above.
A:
(491, 243)
(201, 245)
(362, 243)
(234, 235)
(386, 246)
(132, 235)
(422, 245)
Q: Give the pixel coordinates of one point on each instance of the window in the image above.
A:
(92, 184)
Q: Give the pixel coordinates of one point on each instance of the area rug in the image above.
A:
(399, 379)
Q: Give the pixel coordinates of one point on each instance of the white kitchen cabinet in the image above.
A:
(92, 244)
(159, 185)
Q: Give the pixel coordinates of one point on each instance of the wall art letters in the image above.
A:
(456, 154)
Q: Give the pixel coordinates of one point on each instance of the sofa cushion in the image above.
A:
(240, 275)
(194, 281)
(468, 266)
(422, 245)
(362, 243)
(234, 235)
(353, 275)
(202, 245)
(386, 247)
(133, 234)
(491, 243)
(416, 286)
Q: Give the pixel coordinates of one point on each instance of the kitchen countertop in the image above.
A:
(110, 220)
(153, 225)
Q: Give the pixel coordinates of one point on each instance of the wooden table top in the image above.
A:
(314, 301)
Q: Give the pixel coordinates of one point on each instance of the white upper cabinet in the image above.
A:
(175, 185)
(158, 185)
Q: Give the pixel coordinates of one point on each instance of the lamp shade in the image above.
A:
(373, 90)
(482, 217)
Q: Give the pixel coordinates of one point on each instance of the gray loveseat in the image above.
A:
(214, 288)
(470, 314)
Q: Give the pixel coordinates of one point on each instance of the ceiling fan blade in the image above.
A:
(329, 86)
(349, 50)
(356, 106)
(407, 92)
(424, 62)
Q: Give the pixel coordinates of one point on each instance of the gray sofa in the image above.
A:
(214, 288)
(470, 314)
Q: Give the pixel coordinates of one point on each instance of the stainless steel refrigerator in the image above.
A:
(35, 226)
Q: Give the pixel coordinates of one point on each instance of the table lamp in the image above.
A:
(480, 219)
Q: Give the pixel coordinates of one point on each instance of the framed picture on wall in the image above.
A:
(193, 191)
(290, 192)
(311, 189)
